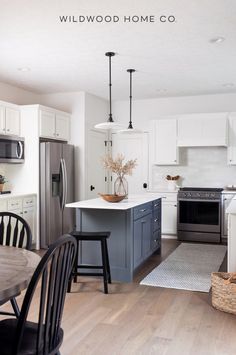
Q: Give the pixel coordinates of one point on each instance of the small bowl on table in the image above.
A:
(112, 197)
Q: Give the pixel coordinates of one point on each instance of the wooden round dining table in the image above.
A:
(16, 268)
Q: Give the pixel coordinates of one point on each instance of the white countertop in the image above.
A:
(13, 195)
(130, 202)
(233, 192)
(163, 190)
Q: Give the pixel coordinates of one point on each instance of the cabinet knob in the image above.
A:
(175, 205)
(143, 210)
(8, 130)
(155, 220)
(175, 160)
(25, 212)
(155, 240)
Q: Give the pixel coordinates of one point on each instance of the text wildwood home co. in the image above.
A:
(115, 19)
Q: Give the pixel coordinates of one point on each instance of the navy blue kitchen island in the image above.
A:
(135, 226)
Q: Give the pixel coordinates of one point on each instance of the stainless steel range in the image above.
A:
(199, 214)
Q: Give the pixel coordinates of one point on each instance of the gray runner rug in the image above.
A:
(189, 267)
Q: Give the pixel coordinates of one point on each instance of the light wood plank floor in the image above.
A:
(134, 319)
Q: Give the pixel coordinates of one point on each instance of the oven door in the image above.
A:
(199, 216)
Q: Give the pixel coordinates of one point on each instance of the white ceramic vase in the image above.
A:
(171, 185)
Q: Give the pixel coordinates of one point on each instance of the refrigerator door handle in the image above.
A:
(62, 194)
(65, 184)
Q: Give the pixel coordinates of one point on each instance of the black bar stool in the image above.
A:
(105, 267)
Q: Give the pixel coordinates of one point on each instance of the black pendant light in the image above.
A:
(130, 128)
(109, 124)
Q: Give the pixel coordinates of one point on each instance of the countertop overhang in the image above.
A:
(130, 202)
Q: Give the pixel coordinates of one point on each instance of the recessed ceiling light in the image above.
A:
(217, 40)
(24, 69)
(228, 85)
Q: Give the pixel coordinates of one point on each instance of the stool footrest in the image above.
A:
(89, 266)
(89, 274)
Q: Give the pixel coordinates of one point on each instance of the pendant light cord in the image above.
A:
(110, 54)
(130, 71)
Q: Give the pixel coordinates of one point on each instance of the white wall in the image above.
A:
(151, 109)
(17, 95)
(198, 166)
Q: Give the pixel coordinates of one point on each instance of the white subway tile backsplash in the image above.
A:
(199, 166)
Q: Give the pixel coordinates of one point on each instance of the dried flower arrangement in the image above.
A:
(118, 166)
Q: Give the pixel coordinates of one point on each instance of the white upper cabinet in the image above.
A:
(54, 125)
(9, 119)
(46, 124)
(2, 120)
(164, 142)
(203, 130)
(62, 127)
(12, 121)
(231, 152)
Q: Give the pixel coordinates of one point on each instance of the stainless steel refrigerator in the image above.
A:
(56, 189)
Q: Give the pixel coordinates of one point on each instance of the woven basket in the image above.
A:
(224, 291)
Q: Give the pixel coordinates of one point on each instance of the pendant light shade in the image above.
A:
(130, 129)
(109, 124)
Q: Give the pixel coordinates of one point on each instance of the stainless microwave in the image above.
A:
(12, 149)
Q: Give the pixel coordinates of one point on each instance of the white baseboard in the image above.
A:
(168, 236)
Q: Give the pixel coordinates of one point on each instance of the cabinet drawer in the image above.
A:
(156, 204)
(14, 204)
(142, 210)
(28, 201)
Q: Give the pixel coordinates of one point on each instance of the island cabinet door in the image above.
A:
(137, 243)
(142, 239)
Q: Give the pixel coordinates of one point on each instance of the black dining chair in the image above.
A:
(23, 337)
(15, 232)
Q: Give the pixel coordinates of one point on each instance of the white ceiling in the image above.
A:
(175, 57)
